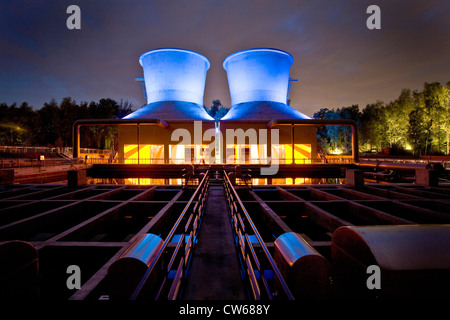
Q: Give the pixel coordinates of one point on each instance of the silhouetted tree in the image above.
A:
(217, 110)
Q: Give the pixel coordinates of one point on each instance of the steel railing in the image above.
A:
(171, 284)
(262, 161)
(28, 163)
(262, 274)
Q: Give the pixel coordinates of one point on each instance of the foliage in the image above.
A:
(415, 121)
(336, 139)
(216, 111)
(52, 124)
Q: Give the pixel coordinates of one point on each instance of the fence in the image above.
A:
(24, 163)
(53, 156)
(337, 160)
(262, 274)
(185, 237)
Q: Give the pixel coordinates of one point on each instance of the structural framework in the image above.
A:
(182, 208)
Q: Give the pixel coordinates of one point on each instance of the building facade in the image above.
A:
(258, 81)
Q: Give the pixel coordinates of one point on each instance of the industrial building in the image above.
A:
(258, 81)
(184, 210)
(174, 84)
(175, 128)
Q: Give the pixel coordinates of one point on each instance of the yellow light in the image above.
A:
(148, 153)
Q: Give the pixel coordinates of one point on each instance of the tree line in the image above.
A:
(52, 124)
(416, 123)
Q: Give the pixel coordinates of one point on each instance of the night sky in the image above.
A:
(337, 59)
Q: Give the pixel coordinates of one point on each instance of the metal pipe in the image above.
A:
(397, 166)
(261, 242)
(168, 238)
(108, 122)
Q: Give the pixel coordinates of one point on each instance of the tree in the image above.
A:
(436, 100)
(217, 110)
(396, 119)
(125, 108)
(446, 120)
(48, 124)
(69, 113)
(52, 124)
(336, 139)
(349, 113)
(416, 131)
(371, 120)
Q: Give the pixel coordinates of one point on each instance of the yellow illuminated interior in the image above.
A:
(281, 181)
(283, 152)
(148, 153)
(180, 154)
(257, 154)
(147, 181)
(238, 153)
(198, 154)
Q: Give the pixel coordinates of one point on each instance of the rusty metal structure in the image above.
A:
(162, 221)
(308, 241)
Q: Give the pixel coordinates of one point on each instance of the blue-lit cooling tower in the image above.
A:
(174, 75)
(258, 75)
(258, 80)
(175, 83)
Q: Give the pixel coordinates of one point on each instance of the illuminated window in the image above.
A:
(180, 154)
(147, 154)
(283, 153)
(144, 181)
(290, 181)
(245, 154)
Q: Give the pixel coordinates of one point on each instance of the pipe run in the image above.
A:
(109, 122)
(200, 189)
(381, 165)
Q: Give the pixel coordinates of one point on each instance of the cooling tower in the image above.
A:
(175, 84)
(258, 80)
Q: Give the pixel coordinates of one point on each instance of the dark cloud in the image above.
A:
(337, 60)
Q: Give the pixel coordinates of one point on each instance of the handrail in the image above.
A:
(150, 269)
(261, 242)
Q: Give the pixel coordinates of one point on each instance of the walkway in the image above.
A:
(214, 272)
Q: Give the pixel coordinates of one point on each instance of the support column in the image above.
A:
(354, 178)
(138, 141)
(355, 147)
(76, 178)
(166, 153)
(293, 143)
(427, 177)
(6, 176)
